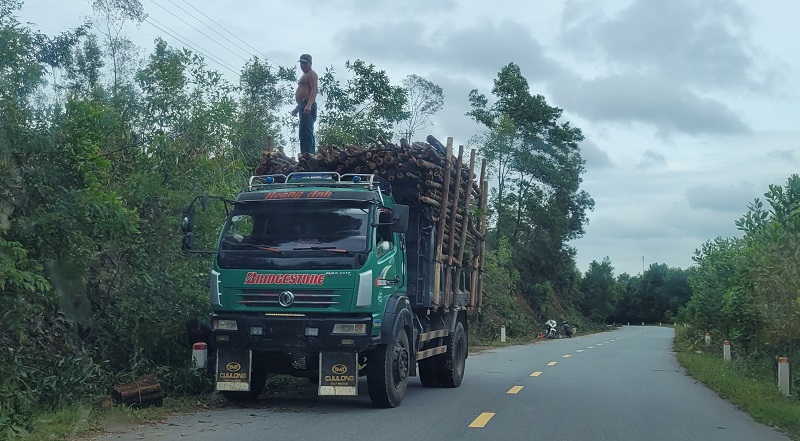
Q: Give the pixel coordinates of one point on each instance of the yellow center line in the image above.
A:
(515, 390)
(552, 363)
(482, 419)
(566, 356)
(536, 374)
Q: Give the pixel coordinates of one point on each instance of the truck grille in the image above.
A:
(261, 298)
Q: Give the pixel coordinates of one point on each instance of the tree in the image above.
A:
(772, 237)
(600, 291)
(540, 206)
(263, 92)
(424, 99)
(366, 106)
(114, 14)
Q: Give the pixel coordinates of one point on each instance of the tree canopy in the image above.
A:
(538, 202)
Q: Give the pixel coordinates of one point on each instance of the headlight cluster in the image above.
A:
(349, 328)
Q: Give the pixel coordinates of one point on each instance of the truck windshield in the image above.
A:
(290, 227)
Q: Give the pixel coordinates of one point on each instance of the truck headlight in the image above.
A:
(349, 328)
(226, 325)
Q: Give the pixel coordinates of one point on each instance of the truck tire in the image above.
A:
(451, 367)
(387, 371)
(257, 383)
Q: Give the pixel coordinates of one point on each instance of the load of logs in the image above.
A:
(426, 175)
(142, 392)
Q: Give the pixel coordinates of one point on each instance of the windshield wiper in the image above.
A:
(317, 248)
(258, 247)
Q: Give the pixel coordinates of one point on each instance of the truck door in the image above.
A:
(390, 255)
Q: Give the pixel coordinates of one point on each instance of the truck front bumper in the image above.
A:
(276, 333)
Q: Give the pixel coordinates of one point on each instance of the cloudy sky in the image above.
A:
(689, 107)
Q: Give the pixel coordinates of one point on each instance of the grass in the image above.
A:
(77, 422)
(748, 385)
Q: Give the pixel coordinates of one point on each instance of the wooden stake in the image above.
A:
(437, 276)
(483, 244)
(465, 224)
(449, 293)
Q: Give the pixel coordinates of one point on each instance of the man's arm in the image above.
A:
(313, 83)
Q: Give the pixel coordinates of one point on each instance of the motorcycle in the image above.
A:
(552, 329)
(568, 331)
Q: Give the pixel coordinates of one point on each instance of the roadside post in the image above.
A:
(726, 350)
(708, 338)
(502, 334)
(783, 375)
(199, 355)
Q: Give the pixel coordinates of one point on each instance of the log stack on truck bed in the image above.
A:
(427, 176)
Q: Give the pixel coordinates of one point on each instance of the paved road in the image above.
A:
(620, 385)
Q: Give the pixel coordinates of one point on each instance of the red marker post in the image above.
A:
(199, 355)
(783, 375)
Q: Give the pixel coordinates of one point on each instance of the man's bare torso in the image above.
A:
(303, 91)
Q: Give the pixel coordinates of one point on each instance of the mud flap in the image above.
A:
(338, 373)
(234, 369)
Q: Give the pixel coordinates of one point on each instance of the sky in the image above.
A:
(689, 108)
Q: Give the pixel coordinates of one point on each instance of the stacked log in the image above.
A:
(142, 392)
(429, 176)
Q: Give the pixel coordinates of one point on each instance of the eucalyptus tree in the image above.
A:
(111, 16)
(263, 92)
(544, 207)
(424, 99)
(365, 106)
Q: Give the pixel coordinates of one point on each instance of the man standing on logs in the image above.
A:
(306, 95)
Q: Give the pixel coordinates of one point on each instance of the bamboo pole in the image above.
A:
(437, 276)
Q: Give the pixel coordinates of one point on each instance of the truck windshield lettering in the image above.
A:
(298, 194)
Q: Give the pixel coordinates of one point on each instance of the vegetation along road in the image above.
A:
(620, 385)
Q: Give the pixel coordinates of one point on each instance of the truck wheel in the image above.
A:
(451, 368)
(387, 371)
(257, 383)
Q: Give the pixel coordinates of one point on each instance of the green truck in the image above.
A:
(336, 276)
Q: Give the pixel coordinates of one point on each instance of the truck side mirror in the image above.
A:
(187, 222)
(399, 218)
